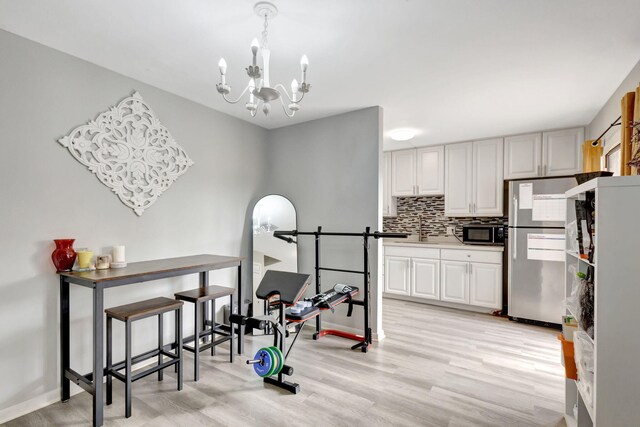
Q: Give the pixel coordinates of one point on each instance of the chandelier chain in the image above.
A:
(264, 32)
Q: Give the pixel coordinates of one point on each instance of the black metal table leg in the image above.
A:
(231, 330)
(98, 363)
(127, 369)
(160, 336)
(204, 315)
(240, 305)
(196, 343)
(109, 360)
(213, 326)
(179, 352)
(65, 391)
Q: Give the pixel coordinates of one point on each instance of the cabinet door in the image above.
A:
(488, 183)
(523, 156)
(562, 152)
(396, 275)
(458, 179)
(403, 181)
(485, 285)
(425, 278)
(454, 281)
(388, 202)
(430, 171)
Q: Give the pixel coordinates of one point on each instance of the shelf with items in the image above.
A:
(612, 301)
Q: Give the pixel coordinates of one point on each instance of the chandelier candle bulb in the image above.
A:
(294, 89)
(304, 63)
(254, 50)
(223, 70)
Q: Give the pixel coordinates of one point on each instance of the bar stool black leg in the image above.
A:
(127, 364)
(213, 326)
(231, 329)
(196, 344)
(109, 361)
(160, 336)
(179, 346)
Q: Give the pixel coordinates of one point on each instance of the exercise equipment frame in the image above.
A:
(365, 340)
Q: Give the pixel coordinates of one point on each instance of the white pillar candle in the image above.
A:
(118, 254)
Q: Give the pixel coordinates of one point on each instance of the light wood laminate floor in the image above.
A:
(437, 367)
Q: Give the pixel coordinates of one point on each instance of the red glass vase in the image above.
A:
(63, 256)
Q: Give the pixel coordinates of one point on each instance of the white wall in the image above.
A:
(46, 194)
(612, 109)
(329, 169)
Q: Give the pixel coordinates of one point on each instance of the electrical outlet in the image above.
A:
(451, 230)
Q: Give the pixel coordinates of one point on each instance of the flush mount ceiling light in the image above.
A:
(259, 86)
(402, 134)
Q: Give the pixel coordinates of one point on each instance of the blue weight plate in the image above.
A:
(268, 360)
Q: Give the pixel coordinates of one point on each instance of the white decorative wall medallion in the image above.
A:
(129, 151)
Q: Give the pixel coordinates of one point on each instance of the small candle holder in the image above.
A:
(118, 257)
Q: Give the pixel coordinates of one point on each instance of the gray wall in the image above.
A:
(46, 194)
(329, 169)
(611, 110)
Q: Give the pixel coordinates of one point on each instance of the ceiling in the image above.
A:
(453, 70)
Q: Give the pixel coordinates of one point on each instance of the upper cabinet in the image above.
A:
(522, 156)
(388, 203)
(417, 172)
(474, 178)
(403, 173)
(546, 154)
(562, 152)
(430, 171)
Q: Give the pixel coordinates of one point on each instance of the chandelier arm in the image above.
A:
(284, 108)
(285, 91)
(239, 98)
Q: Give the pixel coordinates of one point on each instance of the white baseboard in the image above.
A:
(48, 398)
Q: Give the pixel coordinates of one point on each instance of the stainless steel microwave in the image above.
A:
(483, 234)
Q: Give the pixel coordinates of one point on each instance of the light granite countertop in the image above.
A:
(440, 243)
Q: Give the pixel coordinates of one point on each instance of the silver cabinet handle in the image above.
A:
(470, 268)
(544, 170)
(417, 189)
(470, 210)
(539, 170)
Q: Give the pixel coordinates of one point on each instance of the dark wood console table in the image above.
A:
(100, 280)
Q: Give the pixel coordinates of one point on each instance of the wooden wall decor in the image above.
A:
(129, 151)
(635, 136)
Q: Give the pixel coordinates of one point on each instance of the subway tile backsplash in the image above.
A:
(434, 222)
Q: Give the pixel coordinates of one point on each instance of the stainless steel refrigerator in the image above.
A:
(536, 248)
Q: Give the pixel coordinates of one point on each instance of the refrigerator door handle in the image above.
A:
(515, 244)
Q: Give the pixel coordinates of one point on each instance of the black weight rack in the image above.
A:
(365, 340)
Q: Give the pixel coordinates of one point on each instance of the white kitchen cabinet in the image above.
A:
(458, 182)
(485, 285)
(396, 275)
(403, 173)
(417, 172)
(562, 152)
(430, 171)
(455, 281)
(388, 201)
(488, 182)
(547, 154)
(425, 278)
(522, 156)
(474, 178)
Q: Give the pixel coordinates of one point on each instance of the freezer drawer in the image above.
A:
(536, 285)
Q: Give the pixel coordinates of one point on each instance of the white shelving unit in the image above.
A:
(616, 399)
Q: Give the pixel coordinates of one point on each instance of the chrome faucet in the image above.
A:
(419, 228)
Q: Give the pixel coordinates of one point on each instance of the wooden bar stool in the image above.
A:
(129, 313)
(199, 298)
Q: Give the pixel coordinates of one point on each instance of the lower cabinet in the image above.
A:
(396, 275)
(485, 285)
(454, 276)
(455, 281)
(425, 278)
